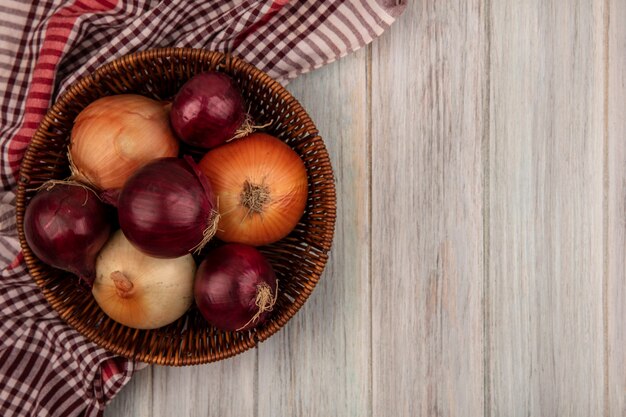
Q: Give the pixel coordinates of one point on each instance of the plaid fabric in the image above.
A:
(47, 368)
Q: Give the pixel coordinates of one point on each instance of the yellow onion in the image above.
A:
(261, 188)
(140, 291)
(116, 135)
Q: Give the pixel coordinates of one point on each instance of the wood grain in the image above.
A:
(479, 259)
(428, 99)
(225, 389)
(135, 399)
(319, 364)
(546, 353)
(616, 205)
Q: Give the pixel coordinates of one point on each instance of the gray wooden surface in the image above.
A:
(478, 267)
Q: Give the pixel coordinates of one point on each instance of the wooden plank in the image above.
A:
(546, 209)
(616, 205)
(428, 102)
(225, 389)
(319, 364)
(135, 399)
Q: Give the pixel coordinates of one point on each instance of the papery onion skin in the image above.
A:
(66, 225)
(263, 161)
(207, 110)
(227, 284)
(166, 208)
(115, 135)
(160, 290)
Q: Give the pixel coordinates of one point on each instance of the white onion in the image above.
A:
(138, 290)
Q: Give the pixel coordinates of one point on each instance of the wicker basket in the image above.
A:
(298, 260)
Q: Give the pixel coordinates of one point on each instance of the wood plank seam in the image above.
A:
(485, 212)
(368, 105)
(605, 209)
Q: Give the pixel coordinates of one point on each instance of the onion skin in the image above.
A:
(166, 208)
(227, 284)
(262, 160)
(152, 292)
(207, 110)
(66, 225)
(115, 135)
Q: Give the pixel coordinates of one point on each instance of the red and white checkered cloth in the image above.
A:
(46, 367)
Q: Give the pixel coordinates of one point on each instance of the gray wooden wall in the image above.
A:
(478, 266)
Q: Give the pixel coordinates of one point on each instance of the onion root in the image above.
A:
(255, 197)
(247, 127)
(77, 174)
(49, 185)
(73, 168)
(265, 301)
(208, 233)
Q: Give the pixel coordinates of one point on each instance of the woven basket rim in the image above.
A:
(88, 81)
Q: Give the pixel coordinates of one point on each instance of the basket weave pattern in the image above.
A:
(298, 260)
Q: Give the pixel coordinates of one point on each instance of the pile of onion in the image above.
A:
(261, 185)
(114, 136)
(249, 189)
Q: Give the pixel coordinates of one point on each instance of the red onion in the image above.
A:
(235, 287)
(208, 110)
(167, 208)
(66, 225)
